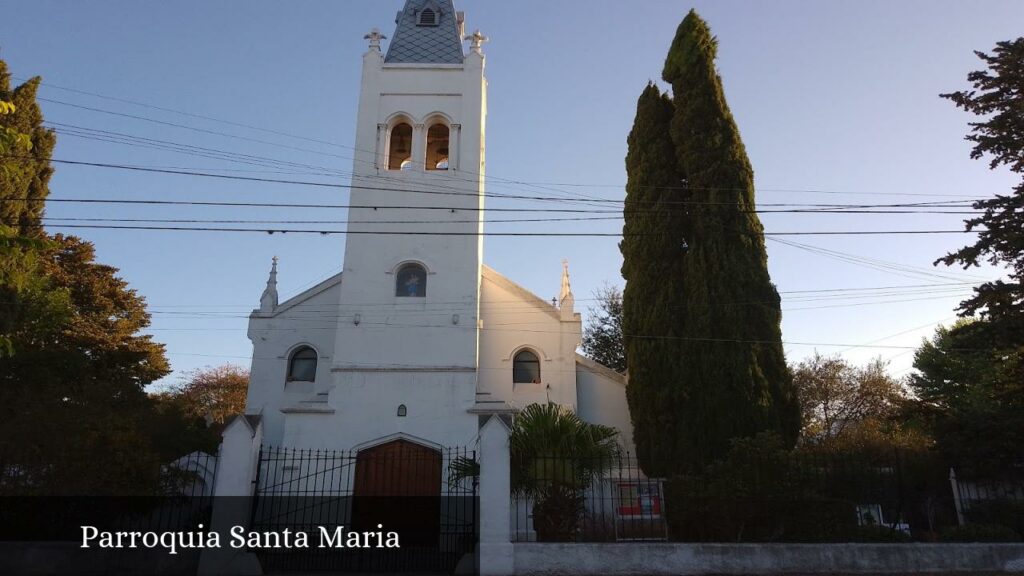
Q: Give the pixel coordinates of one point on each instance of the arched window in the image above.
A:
(402, 411)
(302, 365)
(400, 147)
(411, 281)
(428, 18)
(526, 368)
(437, 147)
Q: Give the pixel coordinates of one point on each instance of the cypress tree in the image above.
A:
(652, 250)
(25, 148)
(733, 381)
(23, 180)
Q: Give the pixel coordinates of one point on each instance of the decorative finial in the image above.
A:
(476, 40)
(565, 297)
(566, 289)
(268, 301)
(375, 37)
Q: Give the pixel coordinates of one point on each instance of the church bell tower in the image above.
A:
(407, 330)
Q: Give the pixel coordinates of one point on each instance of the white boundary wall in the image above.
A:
(657, 559)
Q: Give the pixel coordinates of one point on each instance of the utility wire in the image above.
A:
(343, 146)
(326, 232)
(798, 208)
(810, 293)
(406, 190)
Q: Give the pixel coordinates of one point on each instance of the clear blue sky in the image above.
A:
(830, 97)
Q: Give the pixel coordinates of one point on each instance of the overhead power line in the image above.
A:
(137, 168)
(266, 142)
(526, 234)
(55, 221)
(347, 147)
(192, 128)
(815, 293)
(795, 208)
(660, 337)
(189, 149)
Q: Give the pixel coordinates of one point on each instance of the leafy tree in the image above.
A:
(653, 246)
(998, 99)
(173, 432)
(835, 396)
(192, 415)
(727, 376)
(213, 394)
(11, 141)
(602, 338)
(969, 397)
(74, 418)
(72, 405)
(852, 408)
(27, 171)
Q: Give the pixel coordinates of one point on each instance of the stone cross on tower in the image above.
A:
(476, 41)
(375, 37)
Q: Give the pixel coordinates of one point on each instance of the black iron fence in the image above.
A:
(758, 497)
(178, 496)
(989, 500)
(351, 503)
(566, 498)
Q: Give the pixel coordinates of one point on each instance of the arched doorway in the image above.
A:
(398, 485)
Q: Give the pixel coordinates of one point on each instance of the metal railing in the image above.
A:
(412, 491)
(799, 496)
(584, 499)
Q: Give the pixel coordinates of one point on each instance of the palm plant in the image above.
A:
(555, 456)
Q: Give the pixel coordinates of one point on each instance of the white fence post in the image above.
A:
(957, 503)
(496, 552)
(232, 503)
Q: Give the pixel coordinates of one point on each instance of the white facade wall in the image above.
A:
(513, 319)
(308, 319)
(602, 399)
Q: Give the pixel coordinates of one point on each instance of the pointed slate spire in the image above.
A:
(565, 297)
(268, 301)
(428, 32)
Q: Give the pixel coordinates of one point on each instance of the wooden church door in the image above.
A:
(398, 485)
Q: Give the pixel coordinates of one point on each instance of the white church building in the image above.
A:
(415, 338)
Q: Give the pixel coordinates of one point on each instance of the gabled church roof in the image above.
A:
(419, 42)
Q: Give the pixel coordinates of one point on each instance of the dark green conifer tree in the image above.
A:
(652, 247)
(735, 370)
(728, 377)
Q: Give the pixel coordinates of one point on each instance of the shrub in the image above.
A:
(759, 493)
(980, 533)
(1001, 512)
(763, 493)
(880, 534)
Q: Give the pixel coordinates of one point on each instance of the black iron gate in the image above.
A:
(395, 507)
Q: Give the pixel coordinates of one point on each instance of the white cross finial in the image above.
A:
(476, 41)
(375, 37)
